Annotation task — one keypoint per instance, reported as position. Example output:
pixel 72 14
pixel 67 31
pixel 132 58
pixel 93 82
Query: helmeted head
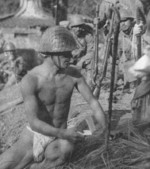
pixel 58 41
pixel 77 24
pixel 9 50
pixel 126 14
pixel 76 20
pixel 127 20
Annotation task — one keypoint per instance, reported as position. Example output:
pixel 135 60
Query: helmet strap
pixel 55 63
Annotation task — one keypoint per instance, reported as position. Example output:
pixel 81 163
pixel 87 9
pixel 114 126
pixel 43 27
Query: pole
pixel 114 57
pixel 95 64
pixel 56 12
pixel 107 52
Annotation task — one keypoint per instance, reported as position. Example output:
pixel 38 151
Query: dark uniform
pixel 17 63
pixel 126 51
pixel 141 100
pixel 83 34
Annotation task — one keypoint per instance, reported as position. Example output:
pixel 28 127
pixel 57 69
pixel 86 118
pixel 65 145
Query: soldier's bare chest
pixel 56 90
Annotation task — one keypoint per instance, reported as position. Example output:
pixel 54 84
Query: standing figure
pixel 84 54
pixel 140 102
pixel 9 63
pixel 126 55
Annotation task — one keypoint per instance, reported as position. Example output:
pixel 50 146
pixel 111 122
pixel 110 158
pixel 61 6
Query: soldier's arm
pixel 98 112
pixel 32 109
pixel 81 51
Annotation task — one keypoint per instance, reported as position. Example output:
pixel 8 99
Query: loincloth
pixel 40 142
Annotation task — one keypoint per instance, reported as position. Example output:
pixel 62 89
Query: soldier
pixel 140 102
pixel 47 91
pixel 143 27
pixel 125 36
pixel 77 29
pixel 125 48
pixel 18 62
pixel 13 64
pixel 83 34
pixel 7 65
pixel 9 55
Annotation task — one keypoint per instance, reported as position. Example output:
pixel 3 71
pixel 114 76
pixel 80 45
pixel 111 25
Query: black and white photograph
pixel 74 84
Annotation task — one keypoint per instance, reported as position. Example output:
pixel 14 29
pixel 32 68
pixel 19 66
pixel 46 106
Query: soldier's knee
pixel 66 148
pixel 52 151
pixel 59 149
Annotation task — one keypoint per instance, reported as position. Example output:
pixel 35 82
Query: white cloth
pixel 142 64
pixel 40 142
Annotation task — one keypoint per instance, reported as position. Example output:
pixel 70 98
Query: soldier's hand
pixel 73 136
pixel 96 21
pixel 138 29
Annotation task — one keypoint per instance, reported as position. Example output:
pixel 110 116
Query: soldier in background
pixel 125 36
pixel 143 27
pixel 141 102
pixel 83 34
pixel 126 55
pixel 15 66
pixel 78 32
pixel 7 65
pixel 8 56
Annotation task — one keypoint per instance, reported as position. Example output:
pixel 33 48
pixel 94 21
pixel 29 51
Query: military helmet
pixel 64 23
pixel 76 20
pixel 125 14
pixel 9 47
pixel 57 39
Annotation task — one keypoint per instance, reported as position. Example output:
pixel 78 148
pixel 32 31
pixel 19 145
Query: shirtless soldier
pixel 47 91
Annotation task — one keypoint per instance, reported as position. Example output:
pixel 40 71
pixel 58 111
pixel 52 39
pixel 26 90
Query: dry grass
pixel 130 151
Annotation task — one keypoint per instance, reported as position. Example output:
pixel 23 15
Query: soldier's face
pixel 125 26
pixel 78 30
pixel 63 59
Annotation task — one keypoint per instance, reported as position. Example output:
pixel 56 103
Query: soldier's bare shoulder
pixel 31 78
